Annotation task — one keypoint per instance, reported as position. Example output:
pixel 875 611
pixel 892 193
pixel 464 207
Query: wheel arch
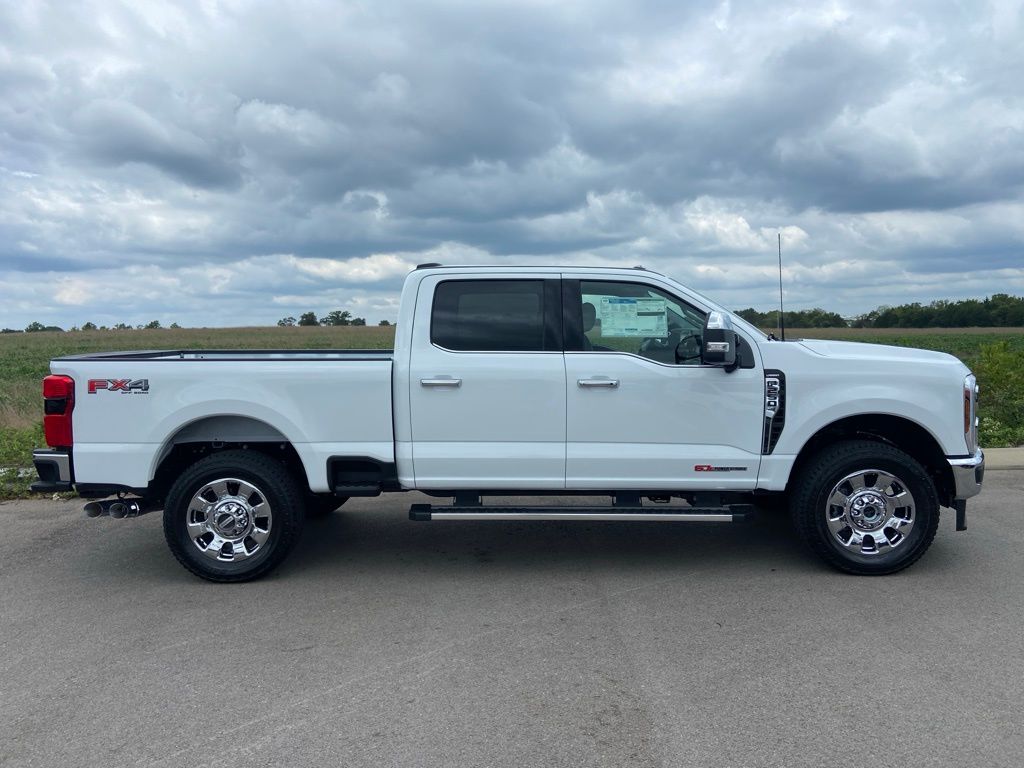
pixel 898 431
pixel 210 434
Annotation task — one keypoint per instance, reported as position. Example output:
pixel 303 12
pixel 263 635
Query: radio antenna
pixel 782 320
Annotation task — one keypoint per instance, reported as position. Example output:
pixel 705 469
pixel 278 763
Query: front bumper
pixel 54 469
pixel 968 475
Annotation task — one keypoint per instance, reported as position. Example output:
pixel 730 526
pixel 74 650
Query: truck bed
pixel 131 408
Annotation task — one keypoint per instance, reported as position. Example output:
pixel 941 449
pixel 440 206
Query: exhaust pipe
pixel 116 508
pixel 127 508
pixel 96 508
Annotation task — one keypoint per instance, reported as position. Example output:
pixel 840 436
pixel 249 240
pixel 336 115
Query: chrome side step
pixel 731 514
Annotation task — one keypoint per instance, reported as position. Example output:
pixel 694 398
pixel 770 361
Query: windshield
pixel 736 319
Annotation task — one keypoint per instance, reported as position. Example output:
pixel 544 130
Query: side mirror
pixel 719 342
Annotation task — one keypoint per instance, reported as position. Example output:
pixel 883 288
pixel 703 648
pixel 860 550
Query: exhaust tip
pixel 117 508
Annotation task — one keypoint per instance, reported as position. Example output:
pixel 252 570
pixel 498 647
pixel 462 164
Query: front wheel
pixel 233 516
pixel 865 507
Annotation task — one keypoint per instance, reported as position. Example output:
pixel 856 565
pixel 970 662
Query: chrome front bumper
pixel 968 475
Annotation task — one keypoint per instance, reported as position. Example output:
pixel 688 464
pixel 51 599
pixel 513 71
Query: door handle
pixel 441 382
pixel 606 383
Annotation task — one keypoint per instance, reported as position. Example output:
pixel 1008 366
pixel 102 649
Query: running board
pixel 732 514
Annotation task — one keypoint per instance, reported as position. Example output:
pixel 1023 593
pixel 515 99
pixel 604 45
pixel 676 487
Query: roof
pixel 534 267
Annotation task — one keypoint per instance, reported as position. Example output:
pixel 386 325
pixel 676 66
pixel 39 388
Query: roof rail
pixel 435 264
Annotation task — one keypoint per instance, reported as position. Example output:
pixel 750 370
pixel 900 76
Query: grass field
pixel 965 343
pixel 995 354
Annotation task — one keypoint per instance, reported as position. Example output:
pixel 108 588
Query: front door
pixel 487 383
pixel 642 412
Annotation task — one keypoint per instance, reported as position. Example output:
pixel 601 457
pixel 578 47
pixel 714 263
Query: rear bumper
pixel 54 469
pixel 968 474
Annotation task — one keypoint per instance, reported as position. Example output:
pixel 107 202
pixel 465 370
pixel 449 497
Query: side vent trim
pixel 774 409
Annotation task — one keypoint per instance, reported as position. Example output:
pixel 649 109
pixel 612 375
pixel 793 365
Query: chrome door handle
pixel 607 383
pixel 441 382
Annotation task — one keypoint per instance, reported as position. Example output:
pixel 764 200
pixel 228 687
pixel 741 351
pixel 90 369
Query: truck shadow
pixel 376 537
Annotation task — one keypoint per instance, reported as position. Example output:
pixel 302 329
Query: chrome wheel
pixel 870 512
pixel 229 519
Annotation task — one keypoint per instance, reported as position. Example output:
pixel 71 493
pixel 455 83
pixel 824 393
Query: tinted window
pixel 489 315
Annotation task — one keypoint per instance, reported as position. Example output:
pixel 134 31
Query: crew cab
pixel 605 382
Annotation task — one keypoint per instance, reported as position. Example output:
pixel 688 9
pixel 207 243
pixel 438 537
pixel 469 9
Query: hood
pixel 855 350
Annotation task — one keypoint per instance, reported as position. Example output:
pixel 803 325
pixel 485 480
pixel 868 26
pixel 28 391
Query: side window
pixel 489 315
pixel 641 320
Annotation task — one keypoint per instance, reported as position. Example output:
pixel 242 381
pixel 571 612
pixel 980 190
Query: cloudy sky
pixel 230 163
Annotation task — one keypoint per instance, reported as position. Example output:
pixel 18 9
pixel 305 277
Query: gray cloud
pixel 224 150
pixel 118 132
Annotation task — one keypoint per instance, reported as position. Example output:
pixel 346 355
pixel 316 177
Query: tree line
pixel 335 318
pixel 804 318
pixel 999 311
pixel 37 327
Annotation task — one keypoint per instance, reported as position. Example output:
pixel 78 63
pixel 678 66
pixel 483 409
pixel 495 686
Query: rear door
pixel 487 383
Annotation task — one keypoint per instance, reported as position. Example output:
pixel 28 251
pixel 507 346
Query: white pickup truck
pixel 617 383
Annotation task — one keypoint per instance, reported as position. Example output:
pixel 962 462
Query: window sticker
pixel 633 317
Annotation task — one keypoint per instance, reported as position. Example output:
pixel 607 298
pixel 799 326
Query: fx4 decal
pixel 709 468
pixel 124 386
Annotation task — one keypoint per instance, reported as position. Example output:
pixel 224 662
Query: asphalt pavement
pixel 385 642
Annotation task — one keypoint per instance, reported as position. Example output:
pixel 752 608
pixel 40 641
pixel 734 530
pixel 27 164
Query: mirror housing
pixel 719 342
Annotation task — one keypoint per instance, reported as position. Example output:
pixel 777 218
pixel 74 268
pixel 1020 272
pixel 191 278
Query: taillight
pixel 58 403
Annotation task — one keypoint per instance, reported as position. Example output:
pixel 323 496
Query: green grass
pixel 16 446
pixel 965 343
pixel 995 354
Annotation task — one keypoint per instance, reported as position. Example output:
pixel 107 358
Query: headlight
pixel 971 412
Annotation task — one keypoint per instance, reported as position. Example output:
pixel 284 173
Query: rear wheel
pixel 233 516
pixel 865 507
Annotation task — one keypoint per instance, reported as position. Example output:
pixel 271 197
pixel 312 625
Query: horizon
pixel 139 326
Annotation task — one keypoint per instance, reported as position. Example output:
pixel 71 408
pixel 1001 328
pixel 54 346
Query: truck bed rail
pixel 236 355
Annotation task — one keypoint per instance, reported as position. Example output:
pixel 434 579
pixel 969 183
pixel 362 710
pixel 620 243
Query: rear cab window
pixel 497 315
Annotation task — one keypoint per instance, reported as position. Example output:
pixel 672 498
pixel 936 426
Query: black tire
pixel 810 509
pixel 320 506
pixel 271 480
